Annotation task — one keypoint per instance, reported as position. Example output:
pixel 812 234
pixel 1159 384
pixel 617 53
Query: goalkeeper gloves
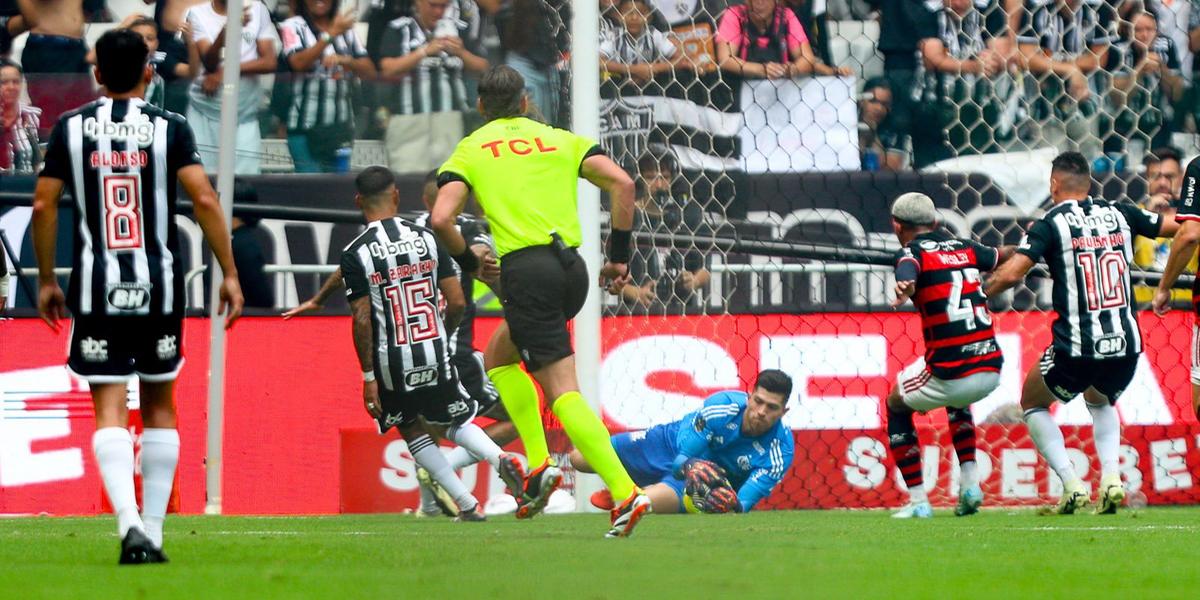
pixel 703 472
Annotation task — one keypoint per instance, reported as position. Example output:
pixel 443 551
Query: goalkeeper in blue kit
pixel 725 457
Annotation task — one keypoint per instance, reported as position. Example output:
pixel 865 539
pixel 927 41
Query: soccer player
pixel 962 360
pixel 393 273
pixel 467 361
pixel 1183 249
pixel 525 177
pixel 1088 246
pixel 121 157
pixel 740 432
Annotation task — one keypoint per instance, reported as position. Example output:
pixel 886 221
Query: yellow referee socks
pixel 591 438
pixel 520 399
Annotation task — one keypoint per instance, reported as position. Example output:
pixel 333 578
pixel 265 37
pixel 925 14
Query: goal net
pixel 764 237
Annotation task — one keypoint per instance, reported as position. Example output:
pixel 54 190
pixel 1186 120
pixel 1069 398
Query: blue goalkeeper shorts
pixel 649 456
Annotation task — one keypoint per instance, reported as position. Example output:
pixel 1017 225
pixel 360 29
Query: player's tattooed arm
pixel 330 286
pixel 360 313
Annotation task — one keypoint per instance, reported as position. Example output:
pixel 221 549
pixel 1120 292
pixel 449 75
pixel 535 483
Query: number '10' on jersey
pixel 398 265
pixel 955 322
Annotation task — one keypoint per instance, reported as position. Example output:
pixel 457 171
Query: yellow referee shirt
pixel 525 176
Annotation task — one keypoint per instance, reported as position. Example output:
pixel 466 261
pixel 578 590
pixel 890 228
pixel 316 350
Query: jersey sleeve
pixel 585 148
pixel 457 167
pixel 291 36
pixel 1037 241
pixel 183 150
pixel 354 277
pixel 768 474
pixel 700 427
pixel 1141 221
pixel 446 266
pixel 908 264
pixel 1189 205
pixel 475 232
pixel 58 159
pixel 986 257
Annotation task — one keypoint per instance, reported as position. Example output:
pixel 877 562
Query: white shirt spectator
pixel 1174 17
pixel 206 25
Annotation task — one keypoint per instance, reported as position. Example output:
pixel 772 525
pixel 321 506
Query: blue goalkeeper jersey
pixel 754 464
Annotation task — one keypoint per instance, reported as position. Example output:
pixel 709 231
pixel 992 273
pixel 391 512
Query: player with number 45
pixel 962 360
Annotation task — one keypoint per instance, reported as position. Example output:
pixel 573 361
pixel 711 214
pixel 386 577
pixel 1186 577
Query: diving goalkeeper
pixel 724 457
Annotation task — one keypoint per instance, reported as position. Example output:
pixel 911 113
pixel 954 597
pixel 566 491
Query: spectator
pixel 1063 44
pixel 964 83
pixel 18 123
pixel 879 141
pixel 1174 18
pixel 248 253
pixel 814 19
pixel 1146 85
pixel 12 24
pixel 426 57
pixel 325 56
pixel 668 14
pixel 258 44
pixel 162 64
pixel 632 50
pixel 179 63
pixel 664 279
pixel 902 23
pixel 1164 179
pixel 763 40
pixel 55 56
pixel 535 39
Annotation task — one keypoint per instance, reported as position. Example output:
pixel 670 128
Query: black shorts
pixel 542 288
pixel 1067 377
pixel 446 403
pixel 473 378
pixel 113 349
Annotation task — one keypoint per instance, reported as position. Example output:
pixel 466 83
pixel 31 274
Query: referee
pixel 524 174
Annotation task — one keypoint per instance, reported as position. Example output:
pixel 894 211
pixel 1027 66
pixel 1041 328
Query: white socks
pixel 968 474
pixel 1050 443
pixel 113 448
pixel 917 494
pixel 1107 431
pixel 427 454
pixel 472 437
pixel 461 458
pixel 160 455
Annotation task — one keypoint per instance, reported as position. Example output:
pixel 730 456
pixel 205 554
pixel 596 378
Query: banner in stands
pixel 286 448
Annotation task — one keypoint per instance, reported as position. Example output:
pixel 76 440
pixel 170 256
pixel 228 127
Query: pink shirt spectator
pixel 735 24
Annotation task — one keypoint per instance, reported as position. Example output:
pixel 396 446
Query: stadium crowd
pixel 1112 79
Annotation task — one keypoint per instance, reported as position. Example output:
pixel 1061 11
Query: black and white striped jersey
pixel 474 231
pixel 322 96
pixel 1088 247
pixel 398 265
pixel 120 159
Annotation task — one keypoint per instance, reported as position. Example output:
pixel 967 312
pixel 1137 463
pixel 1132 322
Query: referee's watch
pixel 325 37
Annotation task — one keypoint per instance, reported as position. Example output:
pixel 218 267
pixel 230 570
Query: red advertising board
pixel 293 388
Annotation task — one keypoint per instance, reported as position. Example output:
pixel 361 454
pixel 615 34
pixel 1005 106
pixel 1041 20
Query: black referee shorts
pixel 542 289
pixel 1067 377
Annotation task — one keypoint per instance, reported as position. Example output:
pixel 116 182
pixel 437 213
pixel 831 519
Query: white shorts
pixel 923 392
pixel 1195 355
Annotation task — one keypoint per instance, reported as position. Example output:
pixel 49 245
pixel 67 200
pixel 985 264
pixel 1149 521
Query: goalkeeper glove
pixel 722 500
pixel 703 472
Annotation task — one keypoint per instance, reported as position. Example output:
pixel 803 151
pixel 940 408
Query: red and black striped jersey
pixel 956 324
pixel 1189 210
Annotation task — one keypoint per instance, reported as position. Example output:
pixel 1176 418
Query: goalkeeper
pixel 724 457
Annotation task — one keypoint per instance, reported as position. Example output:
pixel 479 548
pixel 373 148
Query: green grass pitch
pixel 815 554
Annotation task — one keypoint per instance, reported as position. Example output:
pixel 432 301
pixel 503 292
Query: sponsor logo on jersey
pixel 758 447
pixel 980 348
pixel 129 296
pixel 1110 344
pixel 743 462
pixel 137 128
pixel 381 250
pixel 93 350
pixel 699 424
pixel 420 377
pixel 637 436
pixel 391 419
pixel 1102 221
pixel 167 347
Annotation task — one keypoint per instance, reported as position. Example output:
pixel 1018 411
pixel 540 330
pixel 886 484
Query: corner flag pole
pixel 231 61
pixel 585 121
